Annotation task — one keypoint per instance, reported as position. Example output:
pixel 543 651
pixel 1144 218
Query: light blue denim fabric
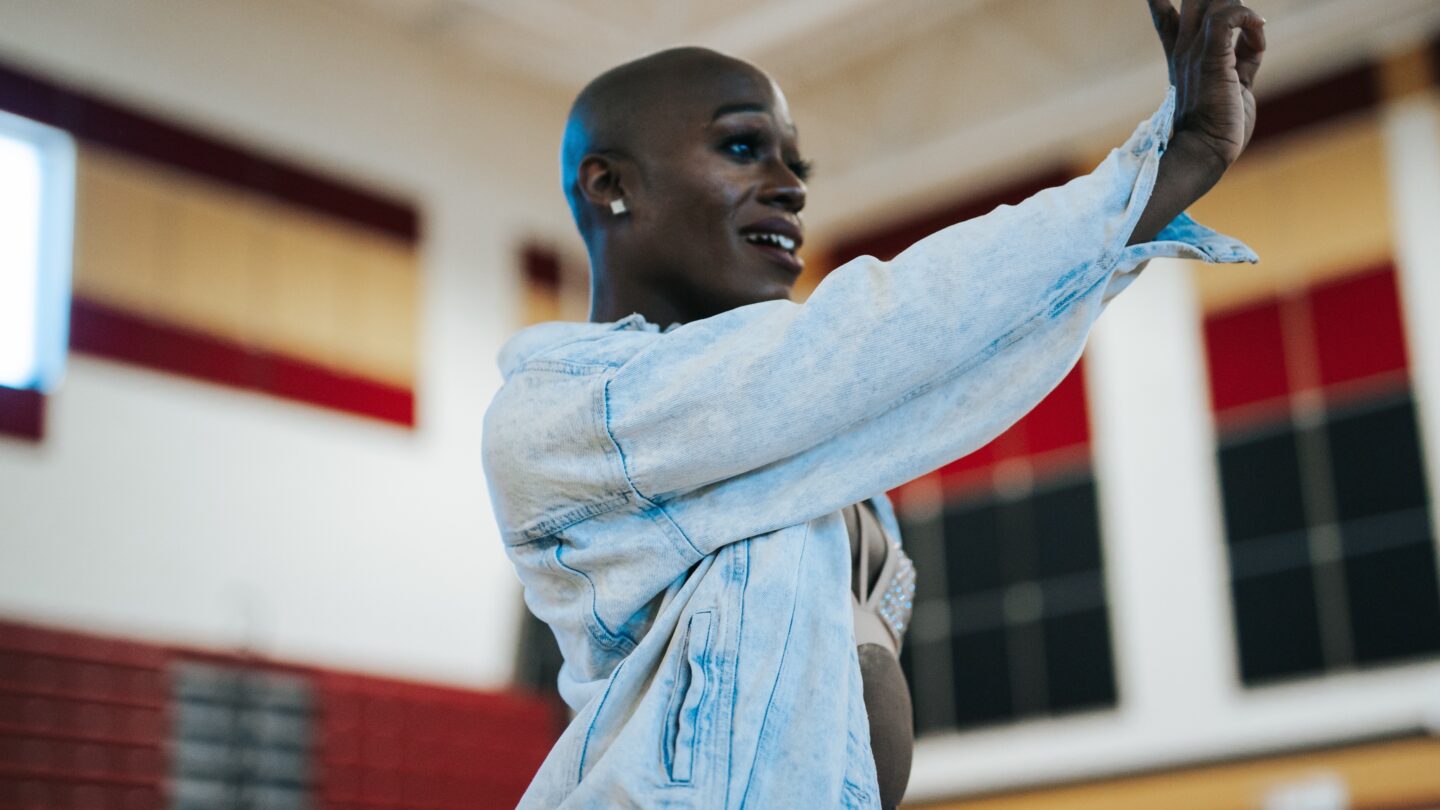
pixel 671 498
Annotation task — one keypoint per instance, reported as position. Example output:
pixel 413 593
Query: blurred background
pixel 257 258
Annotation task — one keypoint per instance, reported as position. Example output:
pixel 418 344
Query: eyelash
pixel 801 168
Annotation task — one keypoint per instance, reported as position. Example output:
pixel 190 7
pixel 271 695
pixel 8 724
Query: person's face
pixel 717 215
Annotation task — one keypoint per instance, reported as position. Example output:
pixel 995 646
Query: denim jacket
pixel 671 498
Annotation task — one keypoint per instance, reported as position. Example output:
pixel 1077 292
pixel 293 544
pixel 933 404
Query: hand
pixel 1213 72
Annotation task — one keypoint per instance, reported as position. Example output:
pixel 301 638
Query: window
pixel 37 170
pixel 1332 561
pixel 1011 618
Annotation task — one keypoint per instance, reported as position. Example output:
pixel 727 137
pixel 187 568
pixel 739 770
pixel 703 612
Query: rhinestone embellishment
pixel 898 601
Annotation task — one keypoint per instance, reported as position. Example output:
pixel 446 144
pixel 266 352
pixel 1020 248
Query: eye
pixel 802 169
pixel 744 147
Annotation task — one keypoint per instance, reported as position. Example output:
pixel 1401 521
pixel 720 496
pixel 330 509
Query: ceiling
pixel 905 99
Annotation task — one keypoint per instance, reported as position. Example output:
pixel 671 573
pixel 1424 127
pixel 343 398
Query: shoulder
pixel 544 447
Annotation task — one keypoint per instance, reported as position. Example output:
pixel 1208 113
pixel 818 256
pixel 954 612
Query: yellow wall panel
pixel 1313 206
pixel 193 253
pixel 298 287
pixel 377 310
pixel 211 262
pixel 121 222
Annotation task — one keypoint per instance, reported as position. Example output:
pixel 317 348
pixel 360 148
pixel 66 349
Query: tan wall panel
pixel 299 281
pixel 377 308
pixel 211 262
pixel 193 253
pixel 1402 774
pixel 120 239
pixel 1313 206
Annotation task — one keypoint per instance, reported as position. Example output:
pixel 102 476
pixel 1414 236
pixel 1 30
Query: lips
pixel 778 238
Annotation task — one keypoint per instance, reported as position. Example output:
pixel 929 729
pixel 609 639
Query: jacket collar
pixel 532 340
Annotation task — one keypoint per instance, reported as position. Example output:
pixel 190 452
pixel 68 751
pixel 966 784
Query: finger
pixel 1167 23
pixel 1220 24
pixel 1192 14
pixel 1250 49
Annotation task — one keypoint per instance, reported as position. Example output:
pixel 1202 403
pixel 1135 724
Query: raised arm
pixel 1213 72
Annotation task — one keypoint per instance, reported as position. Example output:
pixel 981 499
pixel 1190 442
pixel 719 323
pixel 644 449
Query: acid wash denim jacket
pixel 671 498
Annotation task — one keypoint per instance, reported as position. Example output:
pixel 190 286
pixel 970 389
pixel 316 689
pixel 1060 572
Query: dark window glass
pixel 1394 607
pixel 932 658
pixel 1024 590
pixel 982 679
pixel 1067 533
pixel 1277 625
pixel 1017 544
pixel 1077 661
pixel 973 549
pixel 1375 458
pixel 925 543
pixel 1260 479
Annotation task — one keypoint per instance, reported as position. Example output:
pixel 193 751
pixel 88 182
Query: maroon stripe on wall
pixel 104 331
pixel 22 413
pixel 1338 94
pixel 154 139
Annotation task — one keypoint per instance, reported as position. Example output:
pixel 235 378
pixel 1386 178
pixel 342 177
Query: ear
pixel 599 180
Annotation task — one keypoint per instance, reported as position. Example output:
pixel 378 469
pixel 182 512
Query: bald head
pixel 629 110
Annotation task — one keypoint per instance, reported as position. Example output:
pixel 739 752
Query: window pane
pixel 1017 540
pixel 1394 607
pixel 1067 532
pixel 1077 661
pixel 1260 479
pixel 1279 632
pixel 973 549
pixel 927 669
pixel 1376 461
pixel 982 678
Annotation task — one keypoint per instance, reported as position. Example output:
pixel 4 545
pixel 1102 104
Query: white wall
pixel 164 508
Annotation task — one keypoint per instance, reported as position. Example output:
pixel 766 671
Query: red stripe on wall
pixel 152 138
pixel 1333 96
pixel 22 413
pixel 104 331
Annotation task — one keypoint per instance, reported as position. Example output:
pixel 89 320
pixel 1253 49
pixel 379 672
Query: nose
pixel 783 188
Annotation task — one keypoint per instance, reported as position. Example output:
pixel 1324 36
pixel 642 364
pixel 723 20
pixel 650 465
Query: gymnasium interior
pixel 257 258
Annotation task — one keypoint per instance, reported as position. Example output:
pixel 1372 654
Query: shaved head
pixel 618 112
pixel 684 175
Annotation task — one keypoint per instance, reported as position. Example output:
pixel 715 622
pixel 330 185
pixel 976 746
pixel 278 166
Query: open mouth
pixel 778 247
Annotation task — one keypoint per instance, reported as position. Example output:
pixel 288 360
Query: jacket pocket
pixel 684 712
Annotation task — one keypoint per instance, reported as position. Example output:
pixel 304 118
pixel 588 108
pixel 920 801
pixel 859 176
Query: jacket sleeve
pixel 778 412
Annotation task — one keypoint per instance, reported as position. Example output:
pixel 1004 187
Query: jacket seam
pixel 590 730
pixel 603 635
pixel 549 526
pixel 625 467
pixel 779 676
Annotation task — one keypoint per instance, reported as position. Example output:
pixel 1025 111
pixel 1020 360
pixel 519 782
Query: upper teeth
pixel 782 242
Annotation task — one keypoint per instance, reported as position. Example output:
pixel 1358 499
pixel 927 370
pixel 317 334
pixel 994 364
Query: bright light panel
pixel 37 214
pixel 20 202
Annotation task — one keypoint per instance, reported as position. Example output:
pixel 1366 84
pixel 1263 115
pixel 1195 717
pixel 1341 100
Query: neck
pixel 611 300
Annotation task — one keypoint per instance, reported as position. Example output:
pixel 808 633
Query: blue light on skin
pixel 37 178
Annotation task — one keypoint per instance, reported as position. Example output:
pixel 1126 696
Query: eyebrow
pixel 732 109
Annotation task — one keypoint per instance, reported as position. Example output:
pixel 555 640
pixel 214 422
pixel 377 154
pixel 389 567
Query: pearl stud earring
pixel 617 207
